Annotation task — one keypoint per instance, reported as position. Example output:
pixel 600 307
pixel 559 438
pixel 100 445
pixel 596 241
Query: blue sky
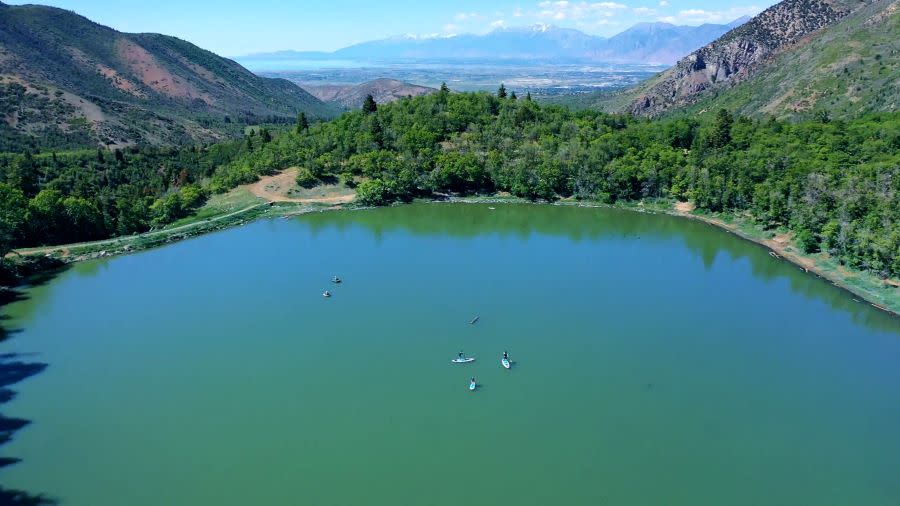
pixel 234 28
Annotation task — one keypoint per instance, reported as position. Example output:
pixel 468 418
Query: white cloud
pixel 699 16
pixel 580 12
pixel 592 16
pixel 465 16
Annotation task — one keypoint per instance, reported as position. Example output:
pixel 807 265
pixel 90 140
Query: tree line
pixel 835 184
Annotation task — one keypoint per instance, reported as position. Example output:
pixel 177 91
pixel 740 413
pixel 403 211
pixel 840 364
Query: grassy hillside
pixel 850 69
pixel 66 81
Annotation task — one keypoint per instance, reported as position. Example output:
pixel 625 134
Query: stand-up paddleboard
pixel 472 386
pixel 465 360
pixel 505 362
pixel 474 320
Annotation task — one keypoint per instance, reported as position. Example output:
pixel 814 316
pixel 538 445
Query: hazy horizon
pixel 239 29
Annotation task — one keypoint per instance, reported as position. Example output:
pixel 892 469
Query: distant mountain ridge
pixel 65 80
pixel 352 96
pixel 661 43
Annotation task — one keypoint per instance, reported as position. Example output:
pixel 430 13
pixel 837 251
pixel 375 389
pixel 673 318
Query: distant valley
pixel 538 79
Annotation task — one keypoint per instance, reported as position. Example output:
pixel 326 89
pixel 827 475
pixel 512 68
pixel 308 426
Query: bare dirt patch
pixel 154 75
pixel 119 81
pixel 685 207
pixel 283 187
pixel 90 110
pixel 782 239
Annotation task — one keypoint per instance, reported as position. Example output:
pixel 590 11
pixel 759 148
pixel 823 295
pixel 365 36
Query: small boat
pixel 472 385
pixel 474 320
pixel 326 294
pixel 461 358
pixel 336 280
pixel 505 362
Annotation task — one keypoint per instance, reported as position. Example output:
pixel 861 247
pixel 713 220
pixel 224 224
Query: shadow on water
pixel 15 368
pixel 579 224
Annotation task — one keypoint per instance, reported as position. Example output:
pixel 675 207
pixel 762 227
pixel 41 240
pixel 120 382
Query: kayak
pixel 505 362
pixel 463 360
pixel 472 386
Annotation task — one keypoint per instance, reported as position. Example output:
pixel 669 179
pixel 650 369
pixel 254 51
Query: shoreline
pixel 785 251
pixel 780 247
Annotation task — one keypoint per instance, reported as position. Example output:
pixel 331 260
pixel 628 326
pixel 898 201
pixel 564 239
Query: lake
pixel 657 361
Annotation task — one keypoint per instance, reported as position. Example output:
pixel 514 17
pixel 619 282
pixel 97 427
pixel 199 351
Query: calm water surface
pixel 658 361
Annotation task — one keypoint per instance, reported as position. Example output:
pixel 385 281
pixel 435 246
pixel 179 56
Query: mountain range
pixel 67 81
pixel 660 43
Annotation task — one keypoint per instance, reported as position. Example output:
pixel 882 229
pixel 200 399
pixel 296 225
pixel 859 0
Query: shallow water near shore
pixel 657 360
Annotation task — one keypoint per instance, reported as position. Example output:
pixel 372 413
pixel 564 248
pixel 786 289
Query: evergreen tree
pixel 501 92
pixel 100 158
pixel 528 96
pixel 302 123
pixel 721 135
pixel 369 106
pixel 513 96
pixel 444 88
pixel 265 135
pixel 377 132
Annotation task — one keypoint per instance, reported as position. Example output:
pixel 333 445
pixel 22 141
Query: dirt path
pixel 275 189
pixel 112 242
pixel 269 188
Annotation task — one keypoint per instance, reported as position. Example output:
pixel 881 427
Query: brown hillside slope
pixel 65 81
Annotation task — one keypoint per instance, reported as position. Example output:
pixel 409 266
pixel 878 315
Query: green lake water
pixel 657 361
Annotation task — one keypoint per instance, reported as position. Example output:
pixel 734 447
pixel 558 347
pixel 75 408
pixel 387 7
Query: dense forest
pixel 836 184
pixel 57 198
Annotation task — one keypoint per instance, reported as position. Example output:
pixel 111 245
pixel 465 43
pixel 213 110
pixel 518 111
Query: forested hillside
pixel 836 184
pixel 56 198
pixel 66 82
